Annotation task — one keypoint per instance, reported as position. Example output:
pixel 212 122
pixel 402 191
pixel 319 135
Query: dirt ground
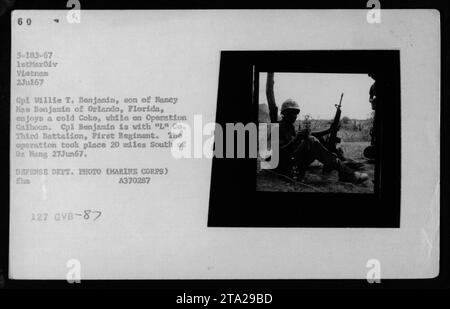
pixel 316 181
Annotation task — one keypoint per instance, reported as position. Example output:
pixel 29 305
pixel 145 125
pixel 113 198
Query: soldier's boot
pixel 346 174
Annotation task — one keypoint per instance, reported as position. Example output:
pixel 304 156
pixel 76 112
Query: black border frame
pixel 440 282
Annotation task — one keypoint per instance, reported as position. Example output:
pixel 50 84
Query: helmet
pixel 289 104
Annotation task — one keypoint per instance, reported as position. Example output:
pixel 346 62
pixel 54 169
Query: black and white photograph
pixel 323 147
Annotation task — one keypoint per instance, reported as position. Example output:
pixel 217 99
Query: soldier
pixel 373 99
pixel 302 148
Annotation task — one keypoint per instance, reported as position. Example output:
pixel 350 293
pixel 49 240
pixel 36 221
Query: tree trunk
pixel 273 109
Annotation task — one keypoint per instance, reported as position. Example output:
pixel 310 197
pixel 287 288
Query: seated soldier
pixel 302 148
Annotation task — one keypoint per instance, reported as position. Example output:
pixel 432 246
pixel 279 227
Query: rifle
pixel 332 139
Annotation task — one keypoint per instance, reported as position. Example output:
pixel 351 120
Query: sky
pixel 317 93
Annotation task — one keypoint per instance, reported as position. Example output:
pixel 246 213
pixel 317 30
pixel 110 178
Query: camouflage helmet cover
pixel 289 104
